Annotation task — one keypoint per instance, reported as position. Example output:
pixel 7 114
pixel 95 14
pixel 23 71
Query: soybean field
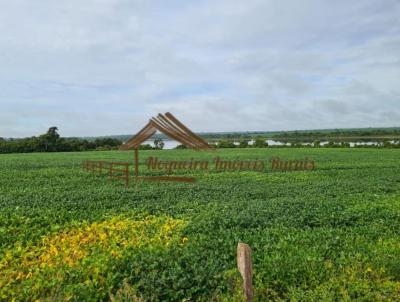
pixel 328 234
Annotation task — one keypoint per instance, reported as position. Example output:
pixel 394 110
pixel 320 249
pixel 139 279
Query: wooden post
pixel 110 172
pixel 136 163
pixel 127 175
pixel 100 167
pixel 245 268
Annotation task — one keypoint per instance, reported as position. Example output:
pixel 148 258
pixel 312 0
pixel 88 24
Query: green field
pixel 330 234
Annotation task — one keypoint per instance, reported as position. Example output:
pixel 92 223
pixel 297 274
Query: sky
pixel 104 67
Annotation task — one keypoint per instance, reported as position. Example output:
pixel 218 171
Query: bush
pixel 181 146
pixel 225 144
pixel 244 144
pixel 260 143
pixel 145 147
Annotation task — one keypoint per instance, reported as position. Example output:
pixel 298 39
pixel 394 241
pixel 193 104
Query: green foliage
pixel 158 144
pixel 52 142
pixel 260 143
pixel 225 144
pixel 352 134
pixel 145 147
pixel 181 146
pixel 331 234
pixel 126 293
pixel 50 139
pixel 243 144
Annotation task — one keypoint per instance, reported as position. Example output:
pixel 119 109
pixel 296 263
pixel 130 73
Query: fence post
pixel 127 175
pixel 136 163
pixel 245 268
pixel 100 167
pixel 110 172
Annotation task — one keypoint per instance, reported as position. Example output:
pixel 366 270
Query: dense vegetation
pixel 261 143
pixel 53 142
pixel 368 133
pixel 330 234
pixel 351 134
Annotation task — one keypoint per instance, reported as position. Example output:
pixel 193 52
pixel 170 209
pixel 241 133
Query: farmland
pixel 324 235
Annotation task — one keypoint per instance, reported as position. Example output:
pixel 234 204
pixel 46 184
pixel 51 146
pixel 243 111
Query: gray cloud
pixel 105 66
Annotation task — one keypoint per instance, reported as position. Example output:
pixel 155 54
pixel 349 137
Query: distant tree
pixel 52 135
pixel 243 143
pixel 181 146
pixel 104 148
pixel 387 144
pixel 52 142
pixel 331 144
pixel 158 143
pixel 260 143
pixel 145 147
pixel 49 139
pixel 108 142
pixel 225 144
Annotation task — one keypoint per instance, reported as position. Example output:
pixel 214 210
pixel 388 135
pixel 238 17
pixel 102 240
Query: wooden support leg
pixel 127 175
pixel 110 172
pixel 136 163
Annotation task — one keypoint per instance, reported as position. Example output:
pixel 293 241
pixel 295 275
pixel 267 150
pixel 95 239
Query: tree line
pixel 339 135
pixel 261 143
pixel 51 141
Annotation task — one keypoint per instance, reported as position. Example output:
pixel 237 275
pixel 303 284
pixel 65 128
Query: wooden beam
pixel 136 162
pixel 168 178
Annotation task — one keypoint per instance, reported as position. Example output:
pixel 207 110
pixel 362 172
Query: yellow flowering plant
pixel 81 256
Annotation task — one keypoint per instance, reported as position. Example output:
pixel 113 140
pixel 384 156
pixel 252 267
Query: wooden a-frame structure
pixel 173 128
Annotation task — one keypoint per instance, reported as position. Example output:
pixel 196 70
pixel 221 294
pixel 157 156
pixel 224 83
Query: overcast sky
pixel 99 67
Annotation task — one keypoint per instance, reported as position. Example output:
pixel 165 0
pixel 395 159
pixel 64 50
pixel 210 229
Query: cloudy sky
pixel 99 67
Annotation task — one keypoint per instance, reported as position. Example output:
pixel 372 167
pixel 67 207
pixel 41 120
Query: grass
pixel 324 235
